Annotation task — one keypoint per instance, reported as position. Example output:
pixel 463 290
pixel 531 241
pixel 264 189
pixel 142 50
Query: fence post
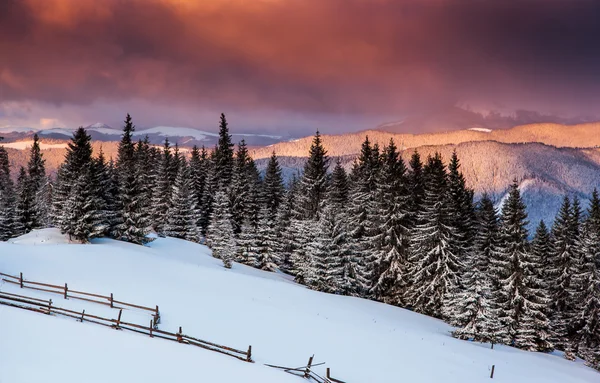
pixel 82 314
pixel 111 300
pixel 179 337
pixel 156 316
pixel 119 319
pixel 492 374
pixel 328 374
pixel 307 372
pixel 21 280
pixel 66 289
pixel 249 358
pixel 151 336
pixel 49 306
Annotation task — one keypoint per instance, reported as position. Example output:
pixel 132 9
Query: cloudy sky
pixel 292 65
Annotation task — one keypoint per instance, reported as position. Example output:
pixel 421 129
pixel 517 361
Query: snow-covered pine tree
pixel 588 302
pixel 38 187
pixel 146 173
pixel 83 214
pixel 461 207
pixel 339 189
pixel 161 199
pixel 210 188
pixel 132 223
pixel 220 234
pixel 434 267
pixel 25 203
pixel 273 190
pixel 312 190
pixel 198 173
pixel 475 309
pixel 284 232
pixel 223 156
pixel 521 299
pixel 330 250
pixel 416 186
pixel 363 218
pixel 391 258
pixel 106 190
pixel 266 241
pixel 8 199
pixel 181 216
pixel 240 193
pixel 565 263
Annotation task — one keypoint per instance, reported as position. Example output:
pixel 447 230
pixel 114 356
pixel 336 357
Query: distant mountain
pixel 186 137
pixel 545 173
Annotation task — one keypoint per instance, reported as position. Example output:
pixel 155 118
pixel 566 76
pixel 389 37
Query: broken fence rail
pixel 47 307
pixel 70 293
pixel 307 373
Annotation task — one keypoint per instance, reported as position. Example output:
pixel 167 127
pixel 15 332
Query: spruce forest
pixel 410 235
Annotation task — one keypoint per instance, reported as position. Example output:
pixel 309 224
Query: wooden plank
pixel 132 305
pixel 215 345
pixel 10 276
pixel 61 288
pixel 23 296
pixel 89 294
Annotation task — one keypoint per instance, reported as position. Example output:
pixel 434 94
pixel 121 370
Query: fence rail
pixel 47 307
pixel 69 293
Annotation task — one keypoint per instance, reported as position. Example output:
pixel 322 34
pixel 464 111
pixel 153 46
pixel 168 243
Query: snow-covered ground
pixel 360 340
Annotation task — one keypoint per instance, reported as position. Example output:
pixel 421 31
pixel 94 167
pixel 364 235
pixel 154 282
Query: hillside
pixel 360 340
pixel 572 136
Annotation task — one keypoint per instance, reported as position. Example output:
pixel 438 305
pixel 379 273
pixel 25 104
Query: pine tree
pixel 198 173
pixel 391 256
pixel 475 309
pixel 565 265
pixel 224 155
pixel 521 300
pixel 434 266
pixel 220 231
pixel 181 222
pixel 37 187
pixel 416 185
pixel 210 188
pixel 266 241
pixel 312 190
pixel 8 199
pixel 588 302
pixel 286 240
pixel 339 189
pixel 241 189
pixel 106 191
pixel 273 190
pixel 132 223
pixel 331 251
pixel 161 201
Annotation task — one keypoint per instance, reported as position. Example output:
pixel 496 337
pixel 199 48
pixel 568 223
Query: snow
pixel 22 145
pixel 483 130
pixel 12 129
pixel 360 340
pixel 523 186
pixel 173 131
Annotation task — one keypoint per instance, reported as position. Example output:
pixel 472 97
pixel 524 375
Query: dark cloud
pixel 361 57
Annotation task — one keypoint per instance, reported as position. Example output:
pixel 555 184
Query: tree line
pixel 410 235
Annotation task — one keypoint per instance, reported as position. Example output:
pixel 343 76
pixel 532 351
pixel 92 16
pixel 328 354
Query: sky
pixel 292 66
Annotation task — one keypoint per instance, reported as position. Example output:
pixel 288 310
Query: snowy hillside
pixel 360 340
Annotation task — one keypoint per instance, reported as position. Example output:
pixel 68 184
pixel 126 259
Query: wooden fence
pixel 81 295
pixel 306 372
pixel 47 307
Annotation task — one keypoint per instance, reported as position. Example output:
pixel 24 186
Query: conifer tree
pixel 312 190
pixel 132 225
pixel 588 300
pixel 266 241
pixel 220 231
pixel 161 201
pixel 565 265
pixel 25 209
pixel 521 300
pixel 273 190
pixel 391 257
pixel 37 187
pixel 223 159
pixel 286 241
pixel 339 189
pixel 416 185
pixel 8 199
pixel 198 173
pixel 475 310
pixel 210 188
pixel 181 222
pixel 434 265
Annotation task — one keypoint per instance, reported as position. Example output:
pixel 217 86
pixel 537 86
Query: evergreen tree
pixel 565 265
pixel 220 231
pixel 521 300
pixel 273 190
pixel 224 155
pixel 588 302
pixel 266 241
pixel 37 187
pixel 434 266
pixel 339 189
pixel 286 241
pixel 198 174
pixel 132 225
pixel 416 185
pixel 25 210
pixel 391 257
pixel 312 190
pixel 475 309
pixel 181 222
pixel 8 200
pixel 330 251
pixel 210 188
pixel 161 201
pixel 242 189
